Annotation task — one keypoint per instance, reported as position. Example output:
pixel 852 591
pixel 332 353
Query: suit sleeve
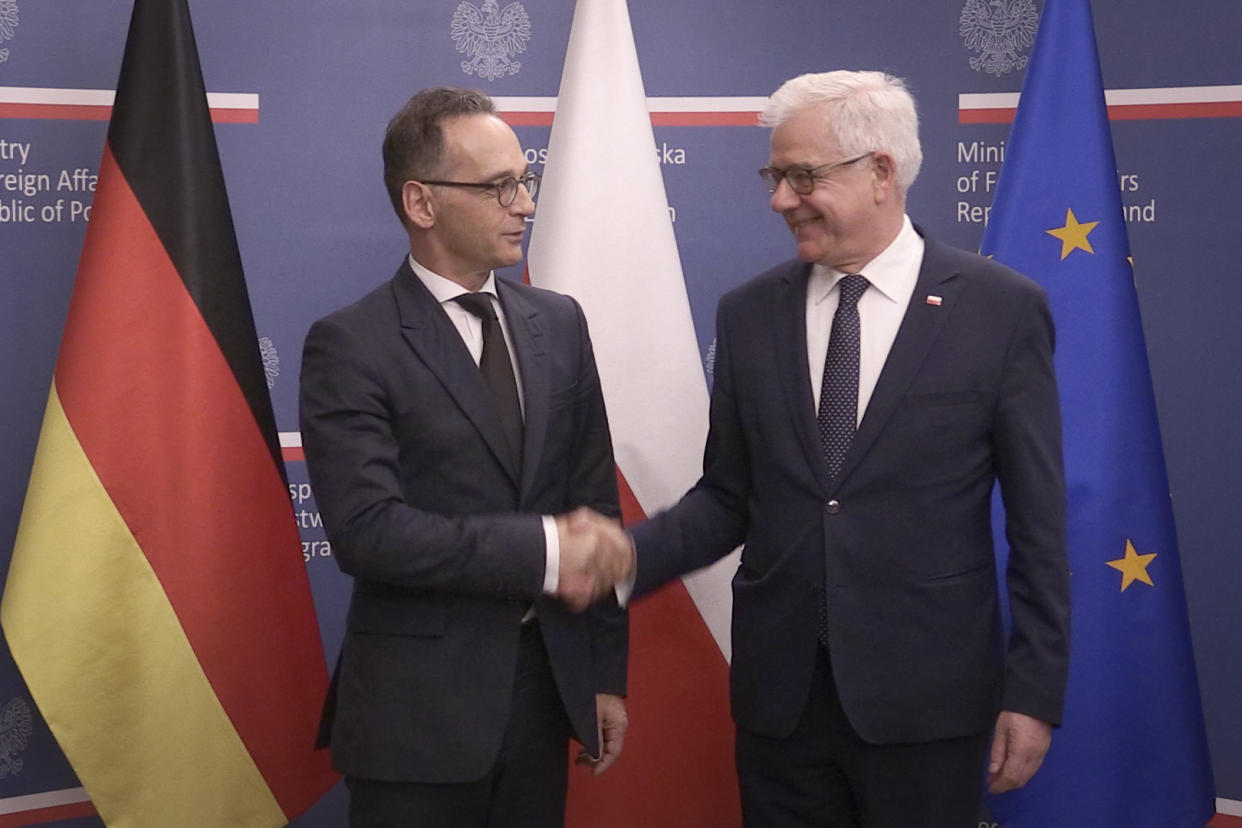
pixel 710 521
pixel 354 465
pixel 1032 481
pixel 593 483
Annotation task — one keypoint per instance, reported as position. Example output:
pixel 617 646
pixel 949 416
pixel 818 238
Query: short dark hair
pixel 414 140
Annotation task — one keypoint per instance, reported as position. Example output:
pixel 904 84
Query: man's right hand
pixel 596 553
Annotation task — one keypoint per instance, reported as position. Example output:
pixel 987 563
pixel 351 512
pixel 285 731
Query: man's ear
pixel 884 175
pixel 417 205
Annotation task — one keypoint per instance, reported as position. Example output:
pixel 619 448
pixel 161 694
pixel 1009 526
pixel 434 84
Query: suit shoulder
pixel 538 296
pixel 765 284
pixel 986 272
pixel 558 309
pixel 363 311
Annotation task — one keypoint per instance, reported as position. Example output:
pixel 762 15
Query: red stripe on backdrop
pixel 59 112
pixel 705 119
pixel 42 816
pixel 1120 112
pixel 1139 112
pixel 152 401
pixel 235 116
pixel 526 118
pixel 86 112
pixel 1003 115
pixel 657 118
pixel 679 696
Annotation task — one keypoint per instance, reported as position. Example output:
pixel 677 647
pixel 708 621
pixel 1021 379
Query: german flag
pixel 157 603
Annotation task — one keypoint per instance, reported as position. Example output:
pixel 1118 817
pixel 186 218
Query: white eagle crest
pixel 15 728
pixel 998 29
pixel 490 36
pixel 8 24
pixel 271 361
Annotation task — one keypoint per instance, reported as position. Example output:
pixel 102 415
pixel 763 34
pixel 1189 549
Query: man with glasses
pixel 451 420
pixel 866 397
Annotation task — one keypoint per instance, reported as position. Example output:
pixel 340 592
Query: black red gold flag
pixel 157 603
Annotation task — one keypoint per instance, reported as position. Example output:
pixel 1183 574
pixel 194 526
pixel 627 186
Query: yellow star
pixel 1073 235
pixel 1133 567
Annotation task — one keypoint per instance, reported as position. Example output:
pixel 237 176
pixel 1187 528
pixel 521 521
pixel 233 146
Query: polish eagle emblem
pixel 998 30
pixel 15 728
pixel 490 36
pixel 271 361
pixel 8 24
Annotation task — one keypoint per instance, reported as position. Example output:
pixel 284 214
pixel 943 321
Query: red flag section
pixel 677 767
pixel 157 603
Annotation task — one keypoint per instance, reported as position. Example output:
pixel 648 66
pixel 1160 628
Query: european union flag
pixel 1132 750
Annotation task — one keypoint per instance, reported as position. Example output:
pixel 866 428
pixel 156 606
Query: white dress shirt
pixel 470 327
pixel 892 275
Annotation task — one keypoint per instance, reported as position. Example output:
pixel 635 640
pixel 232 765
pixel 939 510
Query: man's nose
pixel 523 204
pixel 783 197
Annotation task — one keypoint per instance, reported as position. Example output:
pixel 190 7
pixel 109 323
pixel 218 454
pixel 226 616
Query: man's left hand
pixel 1018 748
pixel 612 721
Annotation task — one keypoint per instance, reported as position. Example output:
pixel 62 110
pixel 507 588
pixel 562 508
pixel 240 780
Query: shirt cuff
pixel 552 556
pixel 625 588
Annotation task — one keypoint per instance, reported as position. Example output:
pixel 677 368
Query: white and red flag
pixel 604 235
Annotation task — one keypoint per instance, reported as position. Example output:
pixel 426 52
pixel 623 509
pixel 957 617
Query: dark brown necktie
pixel 497 369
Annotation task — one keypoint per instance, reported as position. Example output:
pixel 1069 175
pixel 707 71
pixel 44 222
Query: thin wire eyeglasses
pixel 505 188
pixel 802 179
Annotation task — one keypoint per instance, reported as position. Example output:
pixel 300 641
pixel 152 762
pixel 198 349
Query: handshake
pixel 596 554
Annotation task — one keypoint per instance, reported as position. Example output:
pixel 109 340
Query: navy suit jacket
pixel 442 534
pixel 901 541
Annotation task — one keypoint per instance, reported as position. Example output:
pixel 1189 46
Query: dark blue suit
pixel 902 540
pixel 442 534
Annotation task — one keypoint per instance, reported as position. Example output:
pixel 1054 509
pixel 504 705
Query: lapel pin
pixel 934 300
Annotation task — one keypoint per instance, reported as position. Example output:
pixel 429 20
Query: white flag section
pixel 603 234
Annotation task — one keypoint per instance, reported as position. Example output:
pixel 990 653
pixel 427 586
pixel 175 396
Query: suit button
pixel 832 507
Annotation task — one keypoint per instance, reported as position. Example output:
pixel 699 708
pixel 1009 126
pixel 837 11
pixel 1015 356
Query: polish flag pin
pixel 934 300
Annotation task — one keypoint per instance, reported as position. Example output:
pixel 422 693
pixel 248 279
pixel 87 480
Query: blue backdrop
pixel 316 230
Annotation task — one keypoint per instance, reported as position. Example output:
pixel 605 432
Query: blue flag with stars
pixel 1132 750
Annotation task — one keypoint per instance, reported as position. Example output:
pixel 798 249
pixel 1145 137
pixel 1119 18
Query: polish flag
pixel 603 235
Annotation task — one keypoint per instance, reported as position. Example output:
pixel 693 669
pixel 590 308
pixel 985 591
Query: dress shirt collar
pixel 892 273
pixel 446 290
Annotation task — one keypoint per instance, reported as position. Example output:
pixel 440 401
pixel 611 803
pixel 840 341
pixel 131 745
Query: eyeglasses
pixel 802 179
pixel 505 188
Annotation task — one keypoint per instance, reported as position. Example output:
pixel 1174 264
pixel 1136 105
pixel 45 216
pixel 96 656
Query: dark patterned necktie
pixel 838 394
pixel 497 369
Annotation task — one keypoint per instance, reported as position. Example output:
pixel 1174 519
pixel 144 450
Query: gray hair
pixel 868 111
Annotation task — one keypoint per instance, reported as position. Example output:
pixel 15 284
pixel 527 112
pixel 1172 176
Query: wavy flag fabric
pixel 1132 749
pixel 603 235
pixel 157 604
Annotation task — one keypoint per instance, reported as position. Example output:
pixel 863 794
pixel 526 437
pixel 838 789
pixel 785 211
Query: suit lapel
pixel 527 332
pixel 428 330
pixel 918 331
pixel 789 329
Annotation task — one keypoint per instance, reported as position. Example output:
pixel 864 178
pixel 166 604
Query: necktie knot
pixel 479 304
pixel 852 287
